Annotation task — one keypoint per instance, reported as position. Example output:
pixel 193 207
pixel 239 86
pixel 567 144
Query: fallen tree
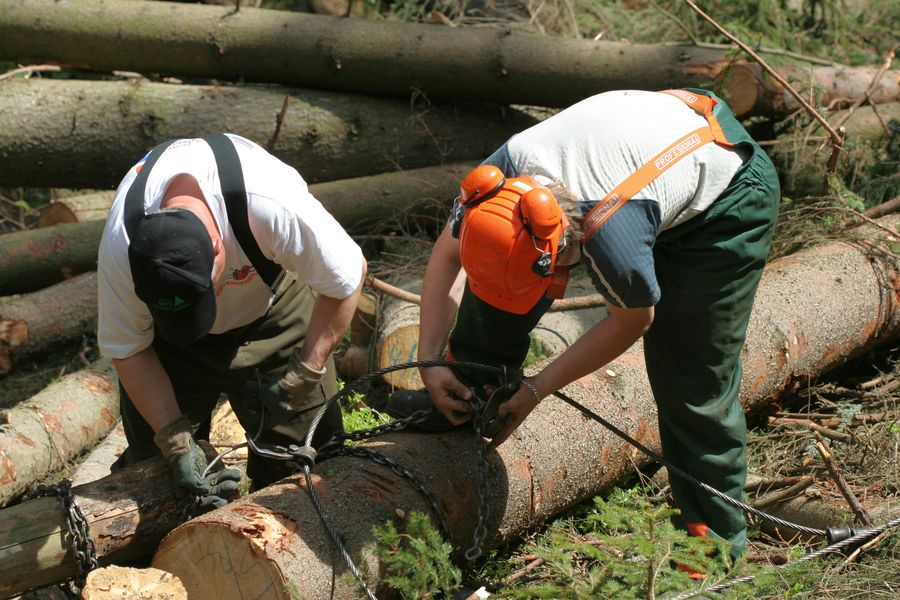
pixel 751 91
pixel 76 209
pixel 42 434
pixel 556 458
pixel 87 134
pixel 46 320
pixel 493 64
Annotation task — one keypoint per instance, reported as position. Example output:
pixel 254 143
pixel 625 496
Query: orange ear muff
pixel 479 185
pixel 541 214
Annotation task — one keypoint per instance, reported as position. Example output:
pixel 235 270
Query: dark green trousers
pixel 708 270
pixel 222 363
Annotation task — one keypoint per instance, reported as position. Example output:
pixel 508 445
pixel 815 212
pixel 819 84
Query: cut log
pixel 814 311
pixel 42 434
pixel 118 583
pixel 34 259
pixel 87 134
pixel 127 512
pixel 398 337
pixel 46 320
pixel 493 64
pixel 751 91
pixel 76 209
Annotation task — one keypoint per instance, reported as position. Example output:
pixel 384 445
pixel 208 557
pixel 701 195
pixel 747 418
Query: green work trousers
pixel 223 363
pixel 708 271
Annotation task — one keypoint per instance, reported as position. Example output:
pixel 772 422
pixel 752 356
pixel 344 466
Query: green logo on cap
pixel 172 305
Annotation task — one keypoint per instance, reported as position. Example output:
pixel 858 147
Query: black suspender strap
pixel 232 179
pixel 133 210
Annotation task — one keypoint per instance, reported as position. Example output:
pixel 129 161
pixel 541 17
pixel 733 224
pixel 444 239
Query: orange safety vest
pixel 657 165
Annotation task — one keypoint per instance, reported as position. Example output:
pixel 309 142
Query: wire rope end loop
pixel 303 455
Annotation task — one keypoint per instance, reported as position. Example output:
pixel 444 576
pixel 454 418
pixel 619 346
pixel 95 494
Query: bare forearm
pixel 149 387
pixel 442 289
pixel 329 320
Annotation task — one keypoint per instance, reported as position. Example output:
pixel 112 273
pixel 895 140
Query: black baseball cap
pixel 171 257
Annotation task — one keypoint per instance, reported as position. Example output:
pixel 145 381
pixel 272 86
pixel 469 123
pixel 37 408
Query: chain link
pixel 481 483
pixel 81 545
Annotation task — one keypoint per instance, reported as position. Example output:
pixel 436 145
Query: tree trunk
pixel 34 259
pixel 42 434
pixel 751 91
pixel 46 320
pixel 98 464
pixel 128 513
pixel 493 64
pixel 361 204
pixel 76 209
pixel 556 459
pixel 89 133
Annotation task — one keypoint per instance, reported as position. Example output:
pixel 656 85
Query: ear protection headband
pixel 538 209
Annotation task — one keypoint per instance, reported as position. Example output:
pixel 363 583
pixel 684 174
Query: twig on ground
pixel 785 494
pixel 29 70
pixel 886 64
pixel 279 119
pixel 861 514
pixel 523 571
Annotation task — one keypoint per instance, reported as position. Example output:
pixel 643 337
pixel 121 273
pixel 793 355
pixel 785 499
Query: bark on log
pixel 76 209
pixel 751 91
pixel 87 134
pixel 128 513
pixel 37 323
pixel 43 433
pixel 98 463
pixel 34 259
pixel 31 260
pixel 492 64
pixel 360 204
pixel 814 311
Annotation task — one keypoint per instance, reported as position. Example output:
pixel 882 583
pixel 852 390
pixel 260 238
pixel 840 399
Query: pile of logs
pixel 383 120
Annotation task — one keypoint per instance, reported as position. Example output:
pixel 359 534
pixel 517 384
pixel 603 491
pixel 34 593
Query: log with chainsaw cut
pixel 491 64
pixel 814 311
pixel 87 134
pixel 751 91
pixel 76 209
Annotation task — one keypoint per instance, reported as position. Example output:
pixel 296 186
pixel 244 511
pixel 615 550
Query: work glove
pixel 176 442
pixel 283 398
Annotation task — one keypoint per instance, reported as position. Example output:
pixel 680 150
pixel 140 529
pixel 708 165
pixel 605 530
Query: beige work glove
pixel 300 381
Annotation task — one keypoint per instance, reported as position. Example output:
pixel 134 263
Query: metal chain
pixel 481 482
pixel 82 546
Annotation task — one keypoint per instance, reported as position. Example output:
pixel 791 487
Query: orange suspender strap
pixel 657 165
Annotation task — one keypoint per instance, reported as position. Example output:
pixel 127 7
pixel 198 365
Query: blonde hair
pixel 568 202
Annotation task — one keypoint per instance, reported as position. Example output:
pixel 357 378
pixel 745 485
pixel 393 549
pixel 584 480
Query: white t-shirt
pixel 597 143
pixel 291 227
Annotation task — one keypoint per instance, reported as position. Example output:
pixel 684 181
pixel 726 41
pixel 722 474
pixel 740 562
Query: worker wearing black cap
pixel 217 268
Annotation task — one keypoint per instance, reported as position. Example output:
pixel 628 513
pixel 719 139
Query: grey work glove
pixel 283 398
pixel 176 442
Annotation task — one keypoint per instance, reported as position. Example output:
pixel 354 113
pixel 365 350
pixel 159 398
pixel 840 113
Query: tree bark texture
pixel 814 311
pixel 43 433
pixel 87 134
pixel 43 321
pixel 752 91
pixel 128 512
pixel 493 64
pixel 34 259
